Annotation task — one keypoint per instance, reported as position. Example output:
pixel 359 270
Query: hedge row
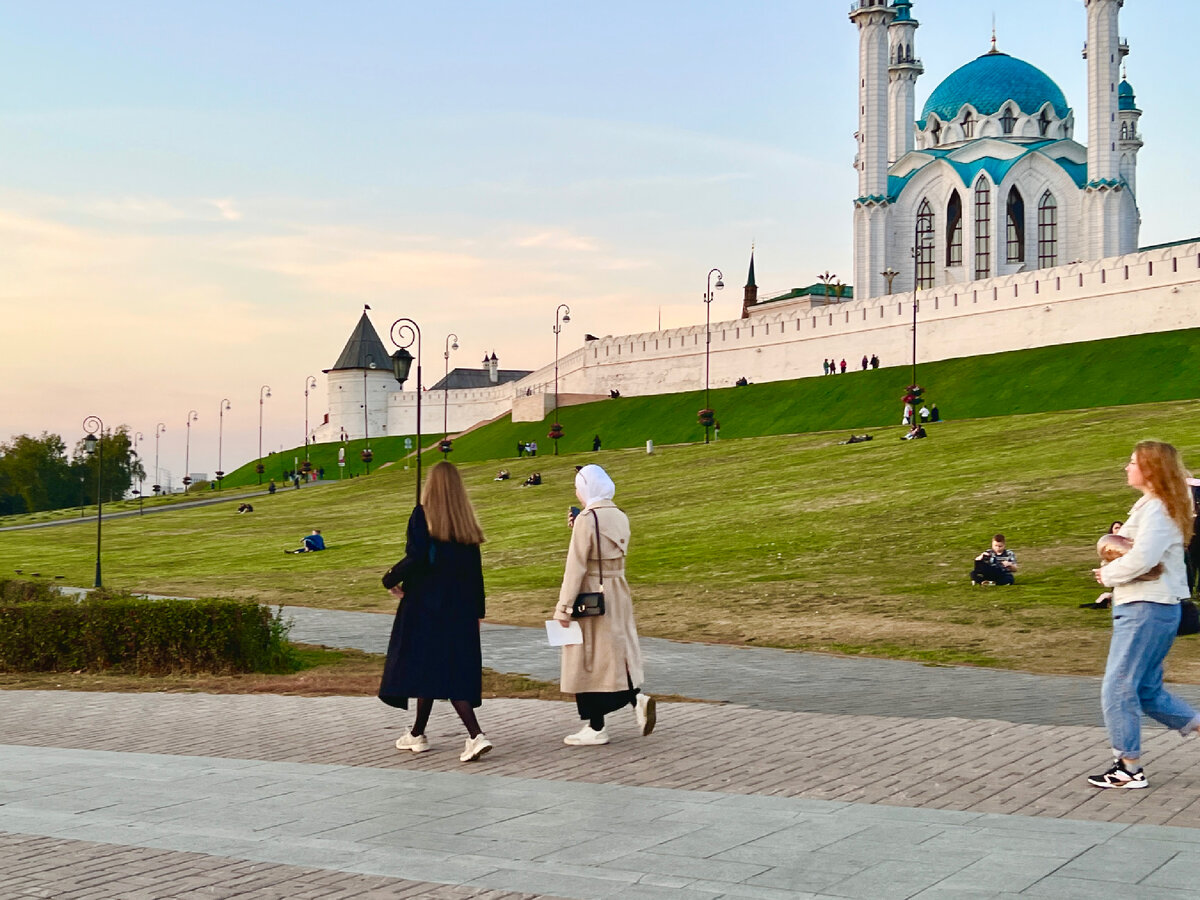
pixel 147 637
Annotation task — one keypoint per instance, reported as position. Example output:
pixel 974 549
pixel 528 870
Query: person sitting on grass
pixel 533 480
pixel 312 543
pixel 502 475
pixel 245 508
pixel 857 439
pixel 996 565
pixel 917 431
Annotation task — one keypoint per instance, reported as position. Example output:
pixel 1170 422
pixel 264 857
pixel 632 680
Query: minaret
pixel 1129 140
pixel 750 297
pixel 1102 200
pixel 873 17
pixel 903 69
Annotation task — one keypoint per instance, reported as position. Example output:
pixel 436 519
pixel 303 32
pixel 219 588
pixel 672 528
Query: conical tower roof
pixel 363 349
pixel 750 276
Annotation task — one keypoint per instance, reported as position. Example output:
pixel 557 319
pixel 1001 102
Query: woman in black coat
pixel 434 649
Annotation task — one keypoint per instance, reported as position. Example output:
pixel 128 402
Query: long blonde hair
pixel 448 509
pixel 1162 468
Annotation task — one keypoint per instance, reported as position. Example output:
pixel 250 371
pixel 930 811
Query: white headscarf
pixel 593 485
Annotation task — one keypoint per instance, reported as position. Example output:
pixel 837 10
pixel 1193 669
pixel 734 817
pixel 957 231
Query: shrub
pixel 13 591
pixel 110 630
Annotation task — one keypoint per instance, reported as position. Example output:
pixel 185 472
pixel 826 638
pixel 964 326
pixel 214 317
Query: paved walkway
pixel 179 796
pixel 775 679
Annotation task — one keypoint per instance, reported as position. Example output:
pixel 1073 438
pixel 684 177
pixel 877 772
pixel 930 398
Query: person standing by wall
pixel 1145 613
pixel 434 650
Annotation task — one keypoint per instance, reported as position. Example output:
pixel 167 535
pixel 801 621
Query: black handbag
pixel 591 603
pixel 1189 618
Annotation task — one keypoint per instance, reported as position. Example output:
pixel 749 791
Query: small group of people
pixel 916 432
pixel 833 367
pixel 924 415
pixel 434 651
pixel 524 447
pixel 244 508
pixel 830 367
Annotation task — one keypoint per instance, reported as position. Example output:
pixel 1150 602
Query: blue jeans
pixel 1133 677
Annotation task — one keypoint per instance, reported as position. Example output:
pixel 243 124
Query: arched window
pixel 1016 227
pixel 936 131
pixel 1044 122
pixel 954 230
pixel 1008 120
pixel 968 125
pixel 983 228
pixel 1124 131
pixel 1047 231
pixel 923 248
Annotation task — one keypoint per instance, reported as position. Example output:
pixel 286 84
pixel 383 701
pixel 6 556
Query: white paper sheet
pixel 560 637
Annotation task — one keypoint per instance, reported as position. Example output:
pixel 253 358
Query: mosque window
pixel 1016 227
pixel 968 126
pixel 1124 131
pixel 1044 122
pixel 954 237
pixel 936 131
pixel 923 252
pixel 1047 231
pixel 1008 120
pixel 983 229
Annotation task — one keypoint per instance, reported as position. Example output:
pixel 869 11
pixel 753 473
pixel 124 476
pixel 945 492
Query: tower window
pixel 983 229
pixel 1016 227
pixel 936 131
pixel 954 228
pixel 1047 231
pixel 1008 120
pixel 1044 122
pixel 923 248
pixel 968 126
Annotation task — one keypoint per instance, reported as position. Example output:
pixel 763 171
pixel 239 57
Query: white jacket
pixel 1156 538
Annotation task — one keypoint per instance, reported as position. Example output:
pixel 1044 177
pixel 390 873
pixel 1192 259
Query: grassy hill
pixel 1135 369
pixel 792 541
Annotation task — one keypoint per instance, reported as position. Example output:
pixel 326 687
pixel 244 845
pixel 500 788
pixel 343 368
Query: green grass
pixel 789 541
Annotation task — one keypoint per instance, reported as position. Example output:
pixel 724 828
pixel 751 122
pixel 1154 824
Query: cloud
pixel 226 209
pixel 558 240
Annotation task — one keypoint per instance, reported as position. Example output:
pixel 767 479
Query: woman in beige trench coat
pixel 605 671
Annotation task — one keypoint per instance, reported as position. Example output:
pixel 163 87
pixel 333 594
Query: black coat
pixel 434 650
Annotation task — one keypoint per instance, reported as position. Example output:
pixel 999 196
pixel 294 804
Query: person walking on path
pixel 596 444
pixel 604 672
pixel 825 367
pixel 434 650
pixel 1145 613
pixel 843 366
pixel 865 363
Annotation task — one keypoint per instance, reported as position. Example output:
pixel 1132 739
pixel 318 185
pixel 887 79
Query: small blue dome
pixel 990 81
pixel 1125 96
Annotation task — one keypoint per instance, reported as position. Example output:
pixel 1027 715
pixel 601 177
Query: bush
pixel 110 630
pixel 13 591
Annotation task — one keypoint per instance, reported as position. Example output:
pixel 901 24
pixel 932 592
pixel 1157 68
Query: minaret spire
pixel 750 297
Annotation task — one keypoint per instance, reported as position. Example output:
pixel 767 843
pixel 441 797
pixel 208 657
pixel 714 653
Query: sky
pixel 196 200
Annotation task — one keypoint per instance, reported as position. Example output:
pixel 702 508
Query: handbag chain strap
pixel 599 560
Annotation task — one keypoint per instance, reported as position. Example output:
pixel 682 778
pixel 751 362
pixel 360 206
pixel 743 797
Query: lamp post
pixel 451 344
pixel 158 429
pixel 890 274
pixel 826 279
pixel 192 416
pixel 94 444
pixel 403 332
pixel 555 428
pixel 138 436
pixel 311 380
pixel 263 393
pixel 367 455
pixel 707 415
pixel 221 438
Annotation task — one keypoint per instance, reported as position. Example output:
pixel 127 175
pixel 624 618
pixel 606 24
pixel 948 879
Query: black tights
pixel 463 707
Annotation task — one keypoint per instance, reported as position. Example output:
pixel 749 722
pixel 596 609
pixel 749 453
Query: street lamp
pixel 93 444
pixel 158 429
pixel 221 438
pixel 826 279
pixel 263 393
pixel 403 332
pixel 706 415
pixel 192 416
pixel 555 428
pixel 367 455
pixel 138 436
pixel 890 274
pixel 311 380
pixel 452 337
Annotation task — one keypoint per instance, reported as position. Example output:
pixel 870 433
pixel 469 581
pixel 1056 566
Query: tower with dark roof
pixel 359 384
pixel 750 297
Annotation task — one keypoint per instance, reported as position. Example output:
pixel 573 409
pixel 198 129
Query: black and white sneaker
pixel 1120 777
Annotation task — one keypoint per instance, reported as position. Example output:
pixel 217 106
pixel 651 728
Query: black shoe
pixel 1120 777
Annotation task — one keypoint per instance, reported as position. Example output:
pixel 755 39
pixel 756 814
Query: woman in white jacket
pixel 1146 613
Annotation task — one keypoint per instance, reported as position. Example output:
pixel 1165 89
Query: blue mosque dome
pixel 1125 96
pixel 990 81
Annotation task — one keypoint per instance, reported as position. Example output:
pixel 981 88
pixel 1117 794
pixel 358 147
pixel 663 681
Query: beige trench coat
pixel 610 656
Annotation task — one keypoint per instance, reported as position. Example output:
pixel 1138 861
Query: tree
pixel 121 467
pixel 35 474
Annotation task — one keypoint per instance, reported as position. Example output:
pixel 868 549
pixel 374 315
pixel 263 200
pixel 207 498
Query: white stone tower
pixel 871 212
pixel 1129 140
pixel 1109 210
pixel 903 69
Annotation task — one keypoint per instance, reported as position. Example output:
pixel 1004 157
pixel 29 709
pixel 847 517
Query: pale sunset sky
pixel 197 199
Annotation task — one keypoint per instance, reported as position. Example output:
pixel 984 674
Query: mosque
pixel 983 223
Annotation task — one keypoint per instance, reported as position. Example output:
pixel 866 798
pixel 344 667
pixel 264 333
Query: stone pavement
pixel 774 679
pixel 193 795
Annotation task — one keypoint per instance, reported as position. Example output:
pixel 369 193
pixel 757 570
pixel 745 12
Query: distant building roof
pixel 364 350
pixel 819 294
pixel 463 379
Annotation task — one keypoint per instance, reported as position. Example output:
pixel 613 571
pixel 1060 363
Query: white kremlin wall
pixel 1151 291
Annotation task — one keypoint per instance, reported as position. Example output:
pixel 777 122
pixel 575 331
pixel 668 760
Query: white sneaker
pixel 646 713
pixel 585 736
pixel 475 748
pixel 417 743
